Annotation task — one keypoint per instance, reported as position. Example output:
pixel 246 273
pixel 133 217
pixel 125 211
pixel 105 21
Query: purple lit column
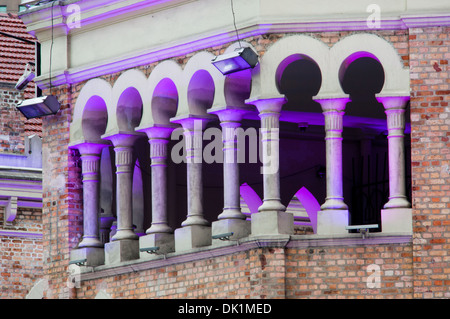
pixel 271 217
pixel 395 112
pixel 159 234
pixel 158 140
pixel 90 248
pixel 195 230
pixel 193 130
pixel 90 163
pixel 231 220
pixel 333 111
pixel 124 245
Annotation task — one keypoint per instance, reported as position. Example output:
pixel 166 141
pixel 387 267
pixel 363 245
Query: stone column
pixel 90 247
pixel 124 244
pixel 395 113
pixel 271 217
pixel 397 213
pixel 195 230
pixel 333 216
pixel 231 220
pixel 159 234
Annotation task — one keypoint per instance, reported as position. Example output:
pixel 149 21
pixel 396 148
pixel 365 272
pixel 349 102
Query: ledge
pixel 20 233
pixel 244 244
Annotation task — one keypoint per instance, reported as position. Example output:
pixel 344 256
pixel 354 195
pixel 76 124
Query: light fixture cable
pixel 234 23
pixel 51 49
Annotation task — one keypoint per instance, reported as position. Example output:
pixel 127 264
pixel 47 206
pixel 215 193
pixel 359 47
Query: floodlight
pixel 38 107
pixel 238 60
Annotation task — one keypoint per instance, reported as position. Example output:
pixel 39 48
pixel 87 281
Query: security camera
pixel 26 77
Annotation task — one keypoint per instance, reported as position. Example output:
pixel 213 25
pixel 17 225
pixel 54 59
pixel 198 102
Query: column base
pixel 239 227
pixel 334 204
pixel 332 222
pixel 193 236
pixel 398 220
pixel 165 242
pixel 272 223
pixel 121 250
pixel 94 256
pixel 397 203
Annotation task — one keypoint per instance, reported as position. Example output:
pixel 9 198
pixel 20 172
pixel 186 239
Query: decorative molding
pixel 124 158
pixel 395 119
pixel 19 233
pixel 11 210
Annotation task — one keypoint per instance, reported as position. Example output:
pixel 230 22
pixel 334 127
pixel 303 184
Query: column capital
pixel 393 102
pixel 87 147
pixel 193 122
pixel 333 104
pixel 229 113
pixel 123 139
pixel 159 131
pixel 268 105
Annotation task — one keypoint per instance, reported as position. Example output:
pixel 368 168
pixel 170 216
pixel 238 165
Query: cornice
pixel 100 13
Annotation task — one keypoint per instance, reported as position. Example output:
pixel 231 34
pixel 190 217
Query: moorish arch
pixel 352 47
pixel 173 96
pixel 163 87
pixel 95 91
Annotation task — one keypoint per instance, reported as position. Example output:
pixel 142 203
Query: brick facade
pixel 430 96
pixel 12 131
pixel 20 253
pixel 21 247
pixel 414 269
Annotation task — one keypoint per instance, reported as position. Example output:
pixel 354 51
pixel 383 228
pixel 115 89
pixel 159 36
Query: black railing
pixel 370 189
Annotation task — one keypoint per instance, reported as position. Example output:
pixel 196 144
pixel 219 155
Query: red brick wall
pixel 418 269
pixel 346 272
pixel 12 129
pixel 271 273
pixel 20 257
pixel 430 96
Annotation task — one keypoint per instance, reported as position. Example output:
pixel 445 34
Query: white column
pixel 124 244
pixel 195 230
pixel 231 220
pixel 396 217
pixel 333 111
pixel 395 112
pixel 333 216
pixel 90 247
pixel 271 217
pixel 159 234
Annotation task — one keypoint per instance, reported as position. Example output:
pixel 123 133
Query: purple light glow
pixel 352 58
pixel 310 204
pixel 251 198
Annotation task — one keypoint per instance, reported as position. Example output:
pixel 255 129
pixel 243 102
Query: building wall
pixel 430 96
pixel 342 271
pixel 12 132
pixel 318 271
pixel 21 253
pixel 21 249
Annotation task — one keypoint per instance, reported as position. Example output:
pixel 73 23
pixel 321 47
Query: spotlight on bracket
pixel 238 60
pixel 26 77
pixel 38 107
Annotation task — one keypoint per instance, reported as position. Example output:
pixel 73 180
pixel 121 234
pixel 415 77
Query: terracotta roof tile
pixel 14 55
